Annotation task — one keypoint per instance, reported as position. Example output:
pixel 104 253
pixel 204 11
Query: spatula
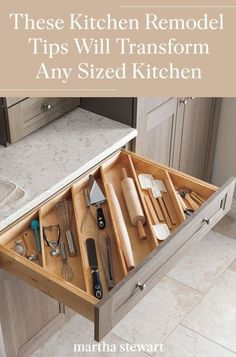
pixel 96 198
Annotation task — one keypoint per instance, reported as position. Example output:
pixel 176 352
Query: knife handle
pixel 97 285
pixel 100 218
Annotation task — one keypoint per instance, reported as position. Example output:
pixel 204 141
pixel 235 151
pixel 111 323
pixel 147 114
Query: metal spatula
pixel 96 198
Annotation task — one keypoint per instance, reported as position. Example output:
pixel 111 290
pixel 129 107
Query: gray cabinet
pixel 28 316
pixel 156 124
pixel 196 118
pixel 178 132
pixel 22 116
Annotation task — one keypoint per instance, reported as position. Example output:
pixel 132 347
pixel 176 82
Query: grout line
pixel 123 340
pixel 180 322
pixel 207 338
pixel 190 287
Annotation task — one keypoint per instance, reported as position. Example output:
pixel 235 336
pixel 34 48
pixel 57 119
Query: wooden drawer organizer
pixel 153 258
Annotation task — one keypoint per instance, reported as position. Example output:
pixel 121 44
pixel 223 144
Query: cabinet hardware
pixel 207 220
pixel 47 106
pixel 141 286
pixel 184 101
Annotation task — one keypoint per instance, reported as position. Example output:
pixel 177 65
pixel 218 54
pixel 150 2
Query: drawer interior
pixel 165 211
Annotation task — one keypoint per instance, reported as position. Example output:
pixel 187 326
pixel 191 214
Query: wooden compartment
pixel 152 258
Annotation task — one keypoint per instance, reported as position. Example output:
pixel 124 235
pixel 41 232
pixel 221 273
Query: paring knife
pixel 93 263
pixel 106 254
pixel 96 198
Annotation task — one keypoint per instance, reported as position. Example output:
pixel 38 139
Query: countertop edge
pixel 70 178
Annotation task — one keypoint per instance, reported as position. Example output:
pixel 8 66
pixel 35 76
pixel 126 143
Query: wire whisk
pixel 67 272
pixel 64 215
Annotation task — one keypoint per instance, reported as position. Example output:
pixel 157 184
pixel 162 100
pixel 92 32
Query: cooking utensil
pixel 67 272
pixel 64 214
pixel 93 263
pixel 169 207
pixel 159 200
pixel 151 209
pixel 133 204
pixel 88 212
pixel 54 244
pixel 35 227
pixel 96 198
pixel 106 254
pixel 121 227
pixel 20 247
pixel 197 197
pixel 156 206
pixel 185 193
pixel 187 211
pixel 161 230
pixel 30 248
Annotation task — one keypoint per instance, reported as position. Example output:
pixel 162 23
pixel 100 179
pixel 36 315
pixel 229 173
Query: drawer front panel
pixel 125 296
pixel 32 113
pixel 14 100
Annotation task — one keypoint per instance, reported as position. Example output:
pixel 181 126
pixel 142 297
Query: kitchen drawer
pixel 153 257
pixel 32 113
pixel 150 103
pixel 14 100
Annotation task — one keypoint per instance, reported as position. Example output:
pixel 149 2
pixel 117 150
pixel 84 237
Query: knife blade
pixel 93 263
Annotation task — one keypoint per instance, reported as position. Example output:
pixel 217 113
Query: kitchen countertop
pixel 50 158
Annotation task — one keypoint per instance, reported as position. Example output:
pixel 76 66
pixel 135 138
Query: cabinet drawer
pixel 32 113
pixel 153 257
pixel 14 100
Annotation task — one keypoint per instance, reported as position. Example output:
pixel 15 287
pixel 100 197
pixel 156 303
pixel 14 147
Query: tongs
pixel 106 254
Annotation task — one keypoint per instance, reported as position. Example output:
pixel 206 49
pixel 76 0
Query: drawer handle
pixel 207 220
pixel 47 106
pixel 184 101
pixel 141 286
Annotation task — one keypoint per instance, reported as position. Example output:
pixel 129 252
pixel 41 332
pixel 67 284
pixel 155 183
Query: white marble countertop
pixel 47 160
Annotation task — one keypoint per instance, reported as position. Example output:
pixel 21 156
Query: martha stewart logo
pixel 123 347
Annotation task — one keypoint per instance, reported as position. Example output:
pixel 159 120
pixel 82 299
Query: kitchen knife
pixel 96 198
pixel 93 263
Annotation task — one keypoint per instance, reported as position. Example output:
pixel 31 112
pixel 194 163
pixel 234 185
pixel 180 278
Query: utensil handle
pixel 70 243
pixel 100 218
pixel 37 240
pixel 97 285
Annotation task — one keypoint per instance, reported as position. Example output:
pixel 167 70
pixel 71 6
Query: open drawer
pixel 178 210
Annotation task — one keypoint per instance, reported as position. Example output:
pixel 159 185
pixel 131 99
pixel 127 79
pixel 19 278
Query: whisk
pixel 67 272
pixel 64 215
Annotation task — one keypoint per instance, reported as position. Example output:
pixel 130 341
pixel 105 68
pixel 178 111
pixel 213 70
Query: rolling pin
pixel 121 227
pixel 133 204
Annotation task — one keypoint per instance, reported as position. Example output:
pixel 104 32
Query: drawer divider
pixel 141 196
pixel 76 196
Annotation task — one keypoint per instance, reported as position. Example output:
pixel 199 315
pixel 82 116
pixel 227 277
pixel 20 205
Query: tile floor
pixel 192 311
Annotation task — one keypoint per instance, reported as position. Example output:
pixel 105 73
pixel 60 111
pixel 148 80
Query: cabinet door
pixel 28 316
pixel 197 121
pixel 156 129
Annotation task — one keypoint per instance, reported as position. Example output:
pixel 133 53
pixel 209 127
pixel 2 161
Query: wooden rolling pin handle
pixel 123 235
pixel 124 173
pixel 141 230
